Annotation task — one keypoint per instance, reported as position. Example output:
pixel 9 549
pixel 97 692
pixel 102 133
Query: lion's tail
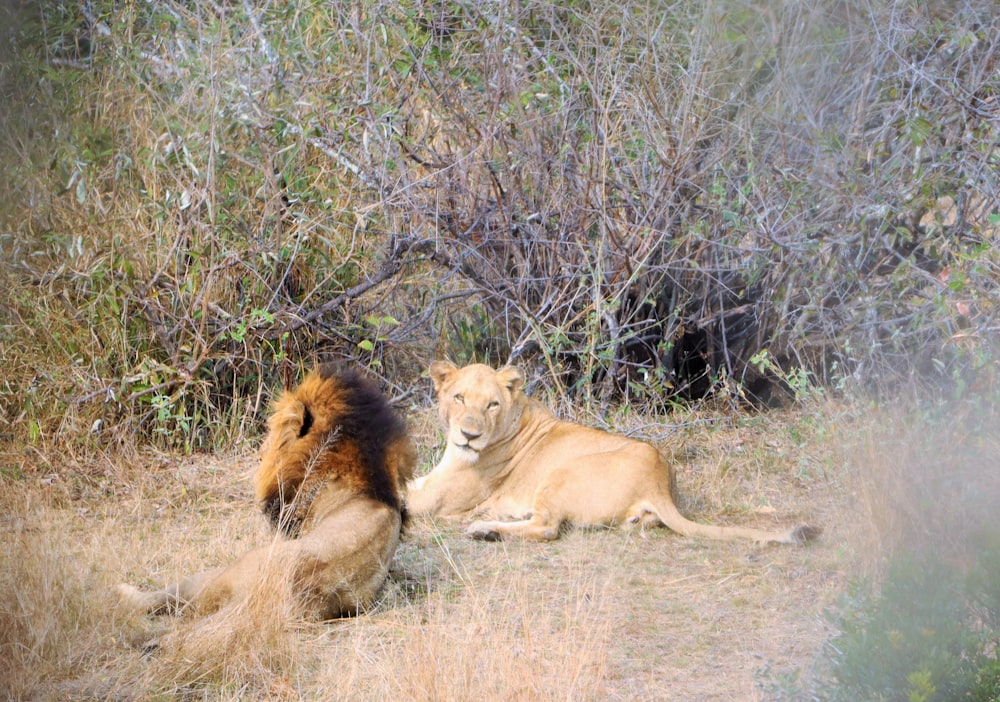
pixel 668 513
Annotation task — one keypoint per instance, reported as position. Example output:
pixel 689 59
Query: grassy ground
pixel 597 615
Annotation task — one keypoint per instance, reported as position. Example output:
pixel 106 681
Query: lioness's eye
pixel 460 398
pixel 493 404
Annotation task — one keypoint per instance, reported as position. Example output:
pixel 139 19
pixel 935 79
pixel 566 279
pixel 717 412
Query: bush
pixel 925 637
pixel 204 197
pixel 913 641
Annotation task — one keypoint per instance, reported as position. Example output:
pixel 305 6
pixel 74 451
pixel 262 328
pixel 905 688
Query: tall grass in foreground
pixel 927 472
pixel 63 635
pixel 57 615
pixel 482 643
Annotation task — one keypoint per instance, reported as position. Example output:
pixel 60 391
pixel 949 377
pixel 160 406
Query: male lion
pixel 510 461
pixel 330 481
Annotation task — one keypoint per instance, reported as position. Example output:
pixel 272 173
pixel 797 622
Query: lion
pixel 331 481
pixel 510 463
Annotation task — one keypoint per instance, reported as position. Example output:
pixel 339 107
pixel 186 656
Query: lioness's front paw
pixel 482 531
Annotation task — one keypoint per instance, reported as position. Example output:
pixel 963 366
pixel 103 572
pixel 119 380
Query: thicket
pixel 641 197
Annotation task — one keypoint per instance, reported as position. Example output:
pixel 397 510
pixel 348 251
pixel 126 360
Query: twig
pixel 390 267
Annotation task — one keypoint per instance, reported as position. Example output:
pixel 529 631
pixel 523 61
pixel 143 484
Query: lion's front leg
pixel 421 498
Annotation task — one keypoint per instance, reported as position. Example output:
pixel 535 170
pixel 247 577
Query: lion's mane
pixel 335 429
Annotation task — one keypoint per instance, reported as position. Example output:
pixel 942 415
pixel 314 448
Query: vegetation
pixel 203 197
pixel 930 634
pixel 922 623
pixel 649 203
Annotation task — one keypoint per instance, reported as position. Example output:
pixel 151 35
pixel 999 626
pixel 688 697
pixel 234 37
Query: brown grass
pixel 601 615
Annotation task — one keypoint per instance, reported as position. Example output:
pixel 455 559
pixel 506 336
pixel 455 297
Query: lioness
pixel 525 473
pixel 333 468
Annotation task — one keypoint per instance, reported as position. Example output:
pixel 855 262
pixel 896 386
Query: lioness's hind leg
pixel 642 517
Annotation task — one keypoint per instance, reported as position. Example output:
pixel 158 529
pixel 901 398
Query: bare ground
pixel 602 615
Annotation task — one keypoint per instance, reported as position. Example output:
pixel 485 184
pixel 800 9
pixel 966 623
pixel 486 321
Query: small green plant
pixel 375 330
pixel 257 317
pixel 930 635
pixel 171 420
pixel 798 379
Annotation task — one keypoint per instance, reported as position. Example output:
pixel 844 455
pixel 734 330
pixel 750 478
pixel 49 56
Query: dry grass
pixel 602 615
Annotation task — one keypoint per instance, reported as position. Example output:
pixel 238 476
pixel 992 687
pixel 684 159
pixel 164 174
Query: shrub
pixel 924 637
pixel 915 640
pixel 203 196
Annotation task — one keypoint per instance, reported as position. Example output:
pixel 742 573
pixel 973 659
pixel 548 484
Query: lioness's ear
pixel 512 377
pixel 440 372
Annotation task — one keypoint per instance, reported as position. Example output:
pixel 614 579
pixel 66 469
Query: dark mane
pixel 344 425
pixel 372 423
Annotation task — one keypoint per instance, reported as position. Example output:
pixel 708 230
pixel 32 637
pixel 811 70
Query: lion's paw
pixel 150 602
pixel 131 595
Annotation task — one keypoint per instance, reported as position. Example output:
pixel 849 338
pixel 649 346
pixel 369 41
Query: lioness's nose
pixel 470 435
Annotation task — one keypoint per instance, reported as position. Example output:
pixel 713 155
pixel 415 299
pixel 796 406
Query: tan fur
pixel 510 462
pixel 343 537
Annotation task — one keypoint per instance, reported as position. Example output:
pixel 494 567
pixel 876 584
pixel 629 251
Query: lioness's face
pixel 475 404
